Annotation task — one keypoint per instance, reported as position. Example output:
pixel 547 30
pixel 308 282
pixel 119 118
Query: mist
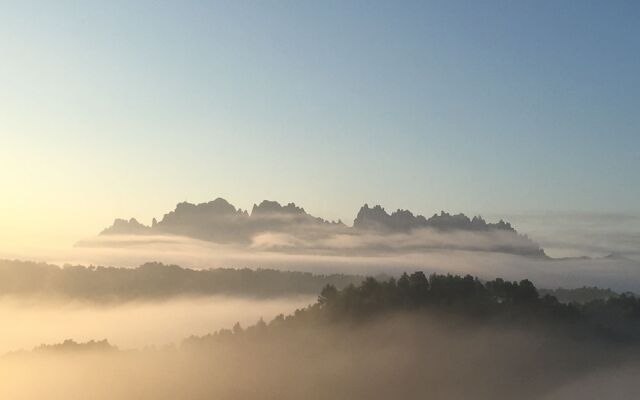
pixel 322 200
pixel 398 356
pixel 366 255
pixel 584 234
pixel 165 349
pixel 30 322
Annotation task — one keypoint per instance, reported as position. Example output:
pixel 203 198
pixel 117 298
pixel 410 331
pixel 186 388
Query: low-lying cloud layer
pixel 591 235
pixel 399 357
pixel 343 255
pixel 585 249
pixel 30 322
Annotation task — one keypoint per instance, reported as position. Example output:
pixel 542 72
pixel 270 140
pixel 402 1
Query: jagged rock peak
pixel 217 206
pixel 405 220
pixel 273 207
pixel 123 226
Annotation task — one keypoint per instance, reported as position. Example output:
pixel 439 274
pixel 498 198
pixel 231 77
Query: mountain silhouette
pixel 404 220
pixel 220 222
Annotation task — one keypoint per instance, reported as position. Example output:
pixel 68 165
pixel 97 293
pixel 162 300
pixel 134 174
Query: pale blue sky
pixel 123 108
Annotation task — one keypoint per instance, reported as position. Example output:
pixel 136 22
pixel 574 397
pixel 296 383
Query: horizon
pixel 559 234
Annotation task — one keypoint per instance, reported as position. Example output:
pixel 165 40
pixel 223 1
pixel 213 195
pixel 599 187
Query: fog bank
pixel 402 356
pixel 619 273
pixel 28 323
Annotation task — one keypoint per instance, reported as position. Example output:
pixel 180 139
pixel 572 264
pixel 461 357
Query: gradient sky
pixel 124 108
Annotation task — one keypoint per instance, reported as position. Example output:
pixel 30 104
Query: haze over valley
pixel 326 200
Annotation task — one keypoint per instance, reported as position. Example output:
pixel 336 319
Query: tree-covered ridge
pixel 156 281
pixel 72 345
pixel 616 318
pixel 464 295
pixel 580 295
pixel 67 346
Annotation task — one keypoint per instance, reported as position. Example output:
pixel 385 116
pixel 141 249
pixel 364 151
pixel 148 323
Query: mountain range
pixel 219 221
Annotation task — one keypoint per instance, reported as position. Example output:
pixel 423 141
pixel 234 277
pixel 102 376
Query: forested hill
pixel 580 295
pixel 616 319
pixel 157 281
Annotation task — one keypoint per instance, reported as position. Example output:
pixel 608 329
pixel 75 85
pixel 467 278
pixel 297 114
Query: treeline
pixel 580 295
pixel 156 281
pixel 616 318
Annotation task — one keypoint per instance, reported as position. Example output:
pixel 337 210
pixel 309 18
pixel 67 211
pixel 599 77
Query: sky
pixel 124 108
